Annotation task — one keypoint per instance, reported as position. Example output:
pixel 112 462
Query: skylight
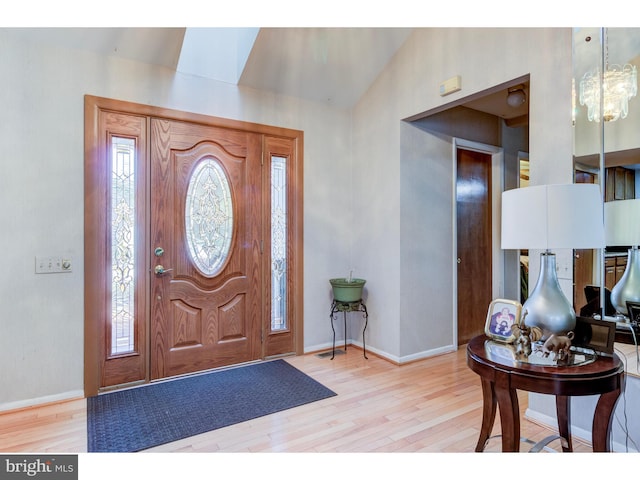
pixel 217 53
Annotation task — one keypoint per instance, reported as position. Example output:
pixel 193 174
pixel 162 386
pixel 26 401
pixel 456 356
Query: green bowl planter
pixel 347 291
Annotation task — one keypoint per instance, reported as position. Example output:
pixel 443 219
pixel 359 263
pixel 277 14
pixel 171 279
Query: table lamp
pixel 547 217
pixel 622 228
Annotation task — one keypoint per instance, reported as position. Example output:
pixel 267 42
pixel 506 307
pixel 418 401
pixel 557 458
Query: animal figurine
pixel 535 334
pixel 559 344
pixel 524 337
pixel 522 341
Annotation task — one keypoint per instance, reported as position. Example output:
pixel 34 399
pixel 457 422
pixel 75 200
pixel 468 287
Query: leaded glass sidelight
pixel 278 243
pixel 209 216
pixel 122 245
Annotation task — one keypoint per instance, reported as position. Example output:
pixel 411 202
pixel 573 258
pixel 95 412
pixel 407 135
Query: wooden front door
pixel 180 213
pixel 205 234
pixel 473 204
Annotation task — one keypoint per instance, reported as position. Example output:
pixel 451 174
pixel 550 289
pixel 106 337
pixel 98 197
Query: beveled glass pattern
pixel 209 216
pixel 122 245
pixel 278 243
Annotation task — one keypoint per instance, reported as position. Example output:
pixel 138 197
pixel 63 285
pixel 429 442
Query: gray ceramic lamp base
pixel 628 288
pixel 547 307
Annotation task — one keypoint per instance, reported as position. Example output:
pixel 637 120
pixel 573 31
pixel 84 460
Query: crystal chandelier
pixel 619 85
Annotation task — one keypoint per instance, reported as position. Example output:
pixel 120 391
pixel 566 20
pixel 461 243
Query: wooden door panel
pixel 281 340
pixel 236 170
pixel 184 135
pixel 187 329
pixel 474 243
pixel 204 319
pixel 198 323
pixel 130 366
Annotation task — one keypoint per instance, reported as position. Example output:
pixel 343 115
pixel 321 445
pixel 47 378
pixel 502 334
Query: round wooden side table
pixel 502 375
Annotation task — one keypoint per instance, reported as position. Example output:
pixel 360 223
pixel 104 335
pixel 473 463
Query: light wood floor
pixel 433 405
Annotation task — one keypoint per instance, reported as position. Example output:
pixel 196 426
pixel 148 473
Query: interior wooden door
pixel 473 204
pixel 205 253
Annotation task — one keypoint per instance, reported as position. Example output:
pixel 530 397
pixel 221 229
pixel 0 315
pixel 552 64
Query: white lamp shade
pixel 553 216
pixel 622 222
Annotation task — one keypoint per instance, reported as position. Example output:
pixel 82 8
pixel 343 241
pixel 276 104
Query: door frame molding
pixel 93 105
pixel 497 186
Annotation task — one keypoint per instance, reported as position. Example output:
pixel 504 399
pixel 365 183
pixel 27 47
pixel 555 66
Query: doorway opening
pixel 479 262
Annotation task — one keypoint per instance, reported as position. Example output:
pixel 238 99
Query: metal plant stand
pixel 344 307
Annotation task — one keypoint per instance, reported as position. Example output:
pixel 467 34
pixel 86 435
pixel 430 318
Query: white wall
pixel 428 178
pixel 352 183
pixel 41 198
pixel 483 58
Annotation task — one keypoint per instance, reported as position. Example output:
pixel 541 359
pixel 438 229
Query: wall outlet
pixel 53 264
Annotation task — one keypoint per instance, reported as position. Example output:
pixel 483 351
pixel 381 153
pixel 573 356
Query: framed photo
pixel 593 334
pixel 501 316
pixel 633 309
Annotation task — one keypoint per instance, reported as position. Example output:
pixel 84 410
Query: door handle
pixel 459 261
pixel 159 270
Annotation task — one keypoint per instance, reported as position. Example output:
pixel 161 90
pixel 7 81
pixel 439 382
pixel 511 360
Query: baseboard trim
pixel 40 401
pixel 414 357
pixel 584 435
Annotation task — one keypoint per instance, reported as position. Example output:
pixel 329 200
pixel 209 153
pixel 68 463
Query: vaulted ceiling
pixel 335 66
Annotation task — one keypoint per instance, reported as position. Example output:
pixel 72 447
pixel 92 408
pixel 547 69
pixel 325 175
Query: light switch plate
pixel 55 264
